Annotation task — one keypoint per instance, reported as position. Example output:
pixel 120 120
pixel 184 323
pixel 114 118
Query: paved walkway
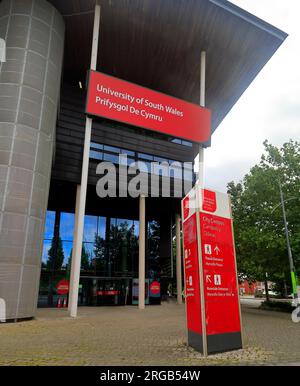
pixel 128 336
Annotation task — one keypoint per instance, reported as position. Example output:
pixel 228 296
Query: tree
pixel 258 222
pixel 55 255
pixel 85 260
pixel 99 253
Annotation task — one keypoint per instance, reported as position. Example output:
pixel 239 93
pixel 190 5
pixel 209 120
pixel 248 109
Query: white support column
pixel 199 200
pixel 78 232
pixel 202 103
pixel 74 238
pixel 142 237
pixel 178 260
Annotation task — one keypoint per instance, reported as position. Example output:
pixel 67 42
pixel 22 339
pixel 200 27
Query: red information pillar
pixel 212 299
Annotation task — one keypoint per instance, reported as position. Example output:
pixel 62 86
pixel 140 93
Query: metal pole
pixel 199 201
pixel 142 231
pixel 291 261
pixel 202 103
pixel 77 246
pixel 74 238
pixel 178 260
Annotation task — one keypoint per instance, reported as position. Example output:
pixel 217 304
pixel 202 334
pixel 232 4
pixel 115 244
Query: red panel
pixel 186 207
pixel 62 287
pixel 219 275
pixel 122 101
pixel 209 200
pixel 191 267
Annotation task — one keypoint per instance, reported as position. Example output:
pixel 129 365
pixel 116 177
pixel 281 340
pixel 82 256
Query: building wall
pixel 29 93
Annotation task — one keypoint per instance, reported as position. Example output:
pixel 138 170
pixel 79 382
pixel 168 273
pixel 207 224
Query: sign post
pixel 212 298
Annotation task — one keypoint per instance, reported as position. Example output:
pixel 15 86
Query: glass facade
pixel 163 166
pixel 109 260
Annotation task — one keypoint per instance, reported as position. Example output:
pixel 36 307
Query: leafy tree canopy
pixel 258 221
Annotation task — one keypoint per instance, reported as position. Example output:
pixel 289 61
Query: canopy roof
pixel 157 44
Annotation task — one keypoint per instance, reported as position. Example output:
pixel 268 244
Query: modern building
pixel 43 88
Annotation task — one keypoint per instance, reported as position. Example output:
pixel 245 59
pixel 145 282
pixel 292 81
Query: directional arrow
pixel 208 278
pixel 217 250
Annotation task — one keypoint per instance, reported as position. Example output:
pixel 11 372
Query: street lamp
pixel 291 261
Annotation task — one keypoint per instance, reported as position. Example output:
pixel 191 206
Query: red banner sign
pixel 154 288
pixel 220 284
pixel 191 269
pixel 212 270
pixel 126 102
pixel 62 287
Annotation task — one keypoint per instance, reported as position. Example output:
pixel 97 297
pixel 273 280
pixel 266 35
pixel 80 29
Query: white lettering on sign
pixel 131 99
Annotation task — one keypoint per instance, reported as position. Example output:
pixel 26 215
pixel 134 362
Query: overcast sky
pixel 274 96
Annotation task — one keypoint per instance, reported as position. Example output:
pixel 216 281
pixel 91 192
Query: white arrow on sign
pixel 208 278
pixel 217 250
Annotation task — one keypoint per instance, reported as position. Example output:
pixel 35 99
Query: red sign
pixel 122 101
pixel 62 287
pixel 108 292
pixel 210 274
pixel 219 274
pixel 209 203
pixel 191 269
pixel 154 288
pixel 186 207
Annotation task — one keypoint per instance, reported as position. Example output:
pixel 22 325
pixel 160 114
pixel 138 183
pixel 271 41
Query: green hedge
pixel 277 306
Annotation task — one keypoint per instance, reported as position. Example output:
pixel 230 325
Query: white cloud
pixel 269 109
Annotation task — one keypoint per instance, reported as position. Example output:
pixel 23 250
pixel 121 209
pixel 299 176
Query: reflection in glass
pixel 66 227
pixel 49 224
pixel 90 228
pixel 56 256
pixel 67 248
pixel 111 158
pixel 101 226
pixel 96 155
pixel 153 249
pixel 46 247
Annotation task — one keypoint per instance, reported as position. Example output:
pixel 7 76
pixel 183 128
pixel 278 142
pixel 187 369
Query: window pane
pixel 111 158
pixel 67 248
pixel 90 228
pixel 96 146
pixel 113 149
pixel 186 143
pixel 142 166
pixel 49 225
pixel 66 228
pixel 188 175
pixel 145 156
pixel 175 170
pixel 136 225
pixel 46 247
pixel 128 152
pixel 87 256
pixel 160 159
pixel 101 226
pixel 160 169
pixel 96 154
pixel 128 161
